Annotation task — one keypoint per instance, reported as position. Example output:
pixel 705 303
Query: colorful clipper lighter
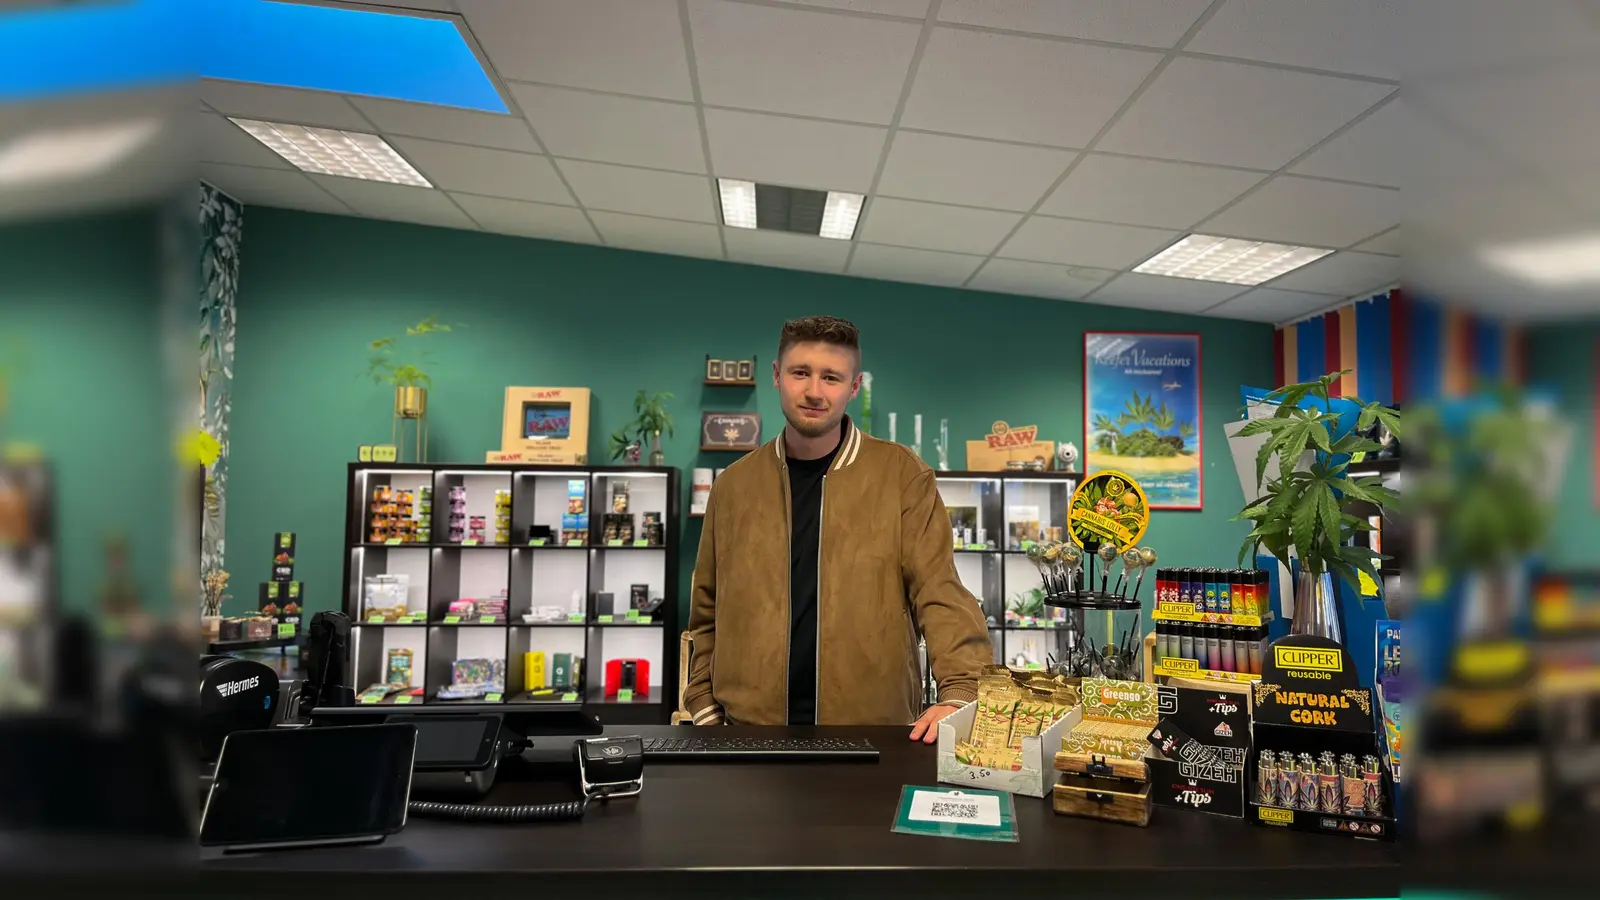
pixel 1328 796
pixel 1307 798
pixel 1266 780
pixel 1372 783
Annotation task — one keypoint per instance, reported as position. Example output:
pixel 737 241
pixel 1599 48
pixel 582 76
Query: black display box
pixel 1199 750
pixel 1310 700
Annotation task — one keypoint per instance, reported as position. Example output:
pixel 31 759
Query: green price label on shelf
pixel 370 698
pixel 641 542
pixel 976 547
pixel 392 542
pixel 452 620
pixel 569 697
pixel 487 620
pixel 1036 667
pixel 644 620
pixel 405 620
pixel 614 543
pixel 575 542
pixel 286 629
pixel 633 614
pixel 575 617
pixel 374 620
pixel 403 699
pixel 1027 544
pixel 604 619
pixel 491 698
pixel 470 542
pixel 625 696
pixel 537 542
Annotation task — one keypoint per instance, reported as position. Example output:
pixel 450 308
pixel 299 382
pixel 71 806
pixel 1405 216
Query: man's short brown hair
pixel 824 329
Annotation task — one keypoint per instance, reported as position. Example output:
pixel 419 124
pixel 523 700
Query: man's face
pixel 815 380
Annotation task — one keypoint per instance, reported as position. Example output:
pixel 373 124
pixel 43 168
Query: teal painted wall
pixel 315 289
pixel 1563 358
pixel 81 297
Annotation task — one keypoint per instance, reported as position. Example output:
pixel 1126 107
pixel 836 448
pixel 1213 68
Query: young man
pixel 823 556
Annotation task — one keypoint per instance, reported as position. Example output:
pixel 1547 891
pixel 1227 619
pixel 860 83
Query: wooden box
pixel 1098 787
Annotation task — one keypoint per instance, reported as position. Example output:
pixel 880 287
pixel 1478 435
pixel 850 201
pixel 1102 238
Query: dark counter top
pixel 770 830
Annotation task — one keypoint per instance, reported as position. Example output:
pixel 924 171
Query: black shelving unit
pixel 998 573
pixel 554 575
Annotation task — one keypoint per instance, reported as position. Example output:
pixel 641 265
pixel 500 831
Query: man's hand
pixel 926 729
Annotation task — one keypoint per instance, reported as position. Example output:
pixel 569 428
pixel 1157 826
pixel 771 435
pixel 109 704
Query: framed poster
pixel 1142 413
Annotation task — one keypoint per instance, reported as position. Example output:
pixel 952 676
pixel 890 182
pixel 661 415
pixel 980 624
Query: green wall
pixel 315 289
pixel 1563 358
pixel 81 299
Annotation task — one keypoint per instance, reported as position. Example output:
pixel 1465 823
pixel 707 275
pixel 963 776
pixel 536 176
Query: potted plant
pixel 1305 510
pixel 650 419
pixel 216 587
pixel 400 364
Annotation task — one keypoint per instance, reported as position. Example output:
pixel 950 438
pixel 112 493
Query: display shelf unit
pixel 1003 510
pixel 567 582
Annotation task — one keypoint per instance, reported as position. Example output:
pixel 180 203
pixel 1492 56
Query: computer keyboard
pixel 724 748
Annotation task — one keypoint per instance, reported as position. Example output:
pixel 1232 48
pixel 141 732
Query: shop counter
pixel 765 829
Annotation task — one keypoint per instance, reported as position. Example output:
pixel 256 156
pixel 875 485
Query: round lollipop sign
pixel 1108 508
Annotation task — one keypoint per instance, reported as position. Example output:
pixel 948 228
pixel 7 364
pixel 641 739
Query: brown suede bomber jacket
pixel 887 575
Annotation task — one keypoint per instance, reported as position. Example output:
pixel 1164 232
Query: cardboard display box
pixel 1199 749
pixel 1116 721
pixel 1035 777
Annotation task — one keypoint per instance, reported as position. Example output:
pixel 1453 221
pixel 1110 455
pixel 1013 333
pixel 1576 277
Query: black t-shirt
pixel 805 532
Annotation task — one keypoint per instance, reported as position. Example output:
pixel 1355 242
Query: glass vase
pixel 657 458
pixel 1315 611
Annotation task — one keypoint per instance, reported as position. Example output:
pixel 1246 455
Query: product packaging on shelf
pixel 1390 691
pixel 281 598
pixel 1005 739
pixel 1199 749
pixel 1117 719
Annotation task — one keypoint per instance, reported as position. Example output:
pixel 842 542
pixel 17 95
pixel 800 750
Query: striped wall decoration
pixel 1397 348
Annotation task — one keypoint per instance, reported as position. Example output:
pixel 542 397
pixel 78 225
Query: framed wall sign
pixel 730 430
pixel 1142 413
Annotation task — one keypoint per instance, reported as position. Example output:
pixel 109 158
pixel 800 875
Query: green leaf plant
pixel 1308 509
pixel 650 417
pixel 398 361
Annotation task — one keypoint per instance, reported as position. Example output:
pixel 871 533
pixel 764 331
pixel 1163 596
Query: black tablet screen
pixel 293 785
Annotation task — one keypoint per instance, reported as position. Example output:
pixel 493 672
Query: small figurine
pixel 1067 456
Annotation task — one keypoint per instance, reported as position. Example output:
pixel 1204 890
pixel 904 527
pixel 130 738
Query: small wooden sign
pixel 1004 444
pixel 377 453
pixel 730 431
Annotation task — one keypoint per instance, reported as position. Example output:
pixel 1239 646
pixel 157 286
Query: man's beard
pixel 812 427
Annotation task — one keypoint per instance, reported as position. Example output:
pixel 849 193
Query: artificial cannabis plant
pixel 650 420
pixel 1306 508
pixel 398 360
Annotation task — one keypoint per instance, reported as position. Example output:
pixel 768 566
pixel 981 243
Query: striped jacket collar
pixel 848 448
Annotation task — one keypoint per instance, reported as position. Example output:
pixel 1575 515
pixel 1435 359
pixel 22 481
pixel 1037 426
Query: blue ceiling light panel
pixel 347 51
pixel 57 52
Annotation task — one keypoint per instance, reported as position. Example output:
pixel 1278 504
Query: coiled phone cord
pixel 568 811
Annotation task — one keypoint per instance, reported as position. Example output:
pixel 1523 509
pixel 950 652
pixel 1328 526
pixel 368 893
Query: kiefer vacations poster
pixel 1142 415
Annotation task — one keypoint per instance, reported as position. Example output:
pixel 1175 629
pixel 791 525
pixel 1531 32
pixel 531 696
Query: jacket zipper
pixel 816 690
pixel 788 588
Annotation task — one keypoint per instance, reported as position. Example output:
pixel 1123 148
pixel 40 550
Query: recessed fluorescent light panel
pixel 829 214
pixel 1560 262
pixel 1206 257
pixel 329 151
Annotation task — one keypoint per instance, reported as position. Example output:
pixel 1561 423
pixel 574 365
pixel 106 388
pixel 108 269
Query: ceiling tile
pixel 642 191
pixel 606 128
pixel 1361 37
pixel 1387 243
pixel 971 172
pixel 1305 211
pixel 794 152
pixel 1158 292
pixel 788 251
pixel 906 264
pixel 1012 276
pixel 626 46
pixel 1203 110
pixel 1074 243
pixel 929 226
pixel 281 104
pixel 464 126
pixel 1346 274
pixel 1151 23
pixel 1371 151
pixel 658 235
pixel 480 170
pixel 1021 89
pixel 402 203
pixel 1146 192
pixel 1271 305
pixel 219 140
pixel 271 187
pixel 800 61
pixel 916 9
pixel 540 220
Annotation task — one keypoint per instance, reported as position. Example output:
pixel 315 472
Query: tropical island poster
pixel 1141 411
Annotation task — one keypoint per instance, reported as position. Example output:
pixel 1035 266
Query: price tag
pixel 625 695
pixel 569 697
pixel 614 543
pixel 491 698
pixel 374 620
pixel 405 620
pixel 370 698
pixel 470 542
pixel 537 542
pixel 955 808
pixel 392 542
pixel 575 617
pixel 487 620
pixel 604 619
pixel 633 614
pixel 286 629
pixel 641 542
pixel 404 699
pixel 452 620
pixel 575 542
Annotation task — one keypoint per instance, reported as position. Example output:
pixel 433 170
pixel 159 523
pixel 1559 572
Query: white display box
pixel 1036 778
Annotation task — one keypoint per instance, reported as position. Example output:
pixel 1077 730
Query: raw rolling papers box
pixel 1100 787
pixel 1117 718
pixel 1032 780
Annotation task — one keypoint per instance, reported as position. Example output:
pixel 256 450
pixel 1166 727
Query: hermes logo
pixel 229 688
pixel 1308 658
